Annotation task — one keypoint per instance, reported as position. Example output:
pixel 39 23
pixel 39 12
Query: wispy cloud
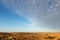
pixel 41 13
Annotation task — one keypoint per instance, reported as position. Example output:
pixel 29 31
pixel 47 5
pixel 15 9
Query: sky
pixel 29 15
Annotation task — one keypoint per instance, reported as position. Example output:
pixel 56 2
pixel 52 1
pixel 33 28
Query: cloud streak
pixel 41 13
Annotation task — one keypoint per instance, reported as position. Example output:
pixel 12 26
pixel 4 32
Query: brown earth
pixel 30 36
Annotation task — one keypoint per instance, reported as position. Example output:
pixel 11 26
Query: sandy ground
pixel 30 36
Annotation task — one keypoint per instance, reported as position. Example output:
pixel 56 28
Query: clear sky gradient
pixel 10 21
pixel 29 15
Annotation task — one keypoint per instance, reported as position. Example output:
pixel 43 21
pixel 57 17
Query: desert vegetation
pixel 29 36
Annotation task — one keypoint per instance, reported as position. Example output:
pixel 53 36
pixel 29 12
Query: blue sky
pixel 29 15
pixel 9 20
